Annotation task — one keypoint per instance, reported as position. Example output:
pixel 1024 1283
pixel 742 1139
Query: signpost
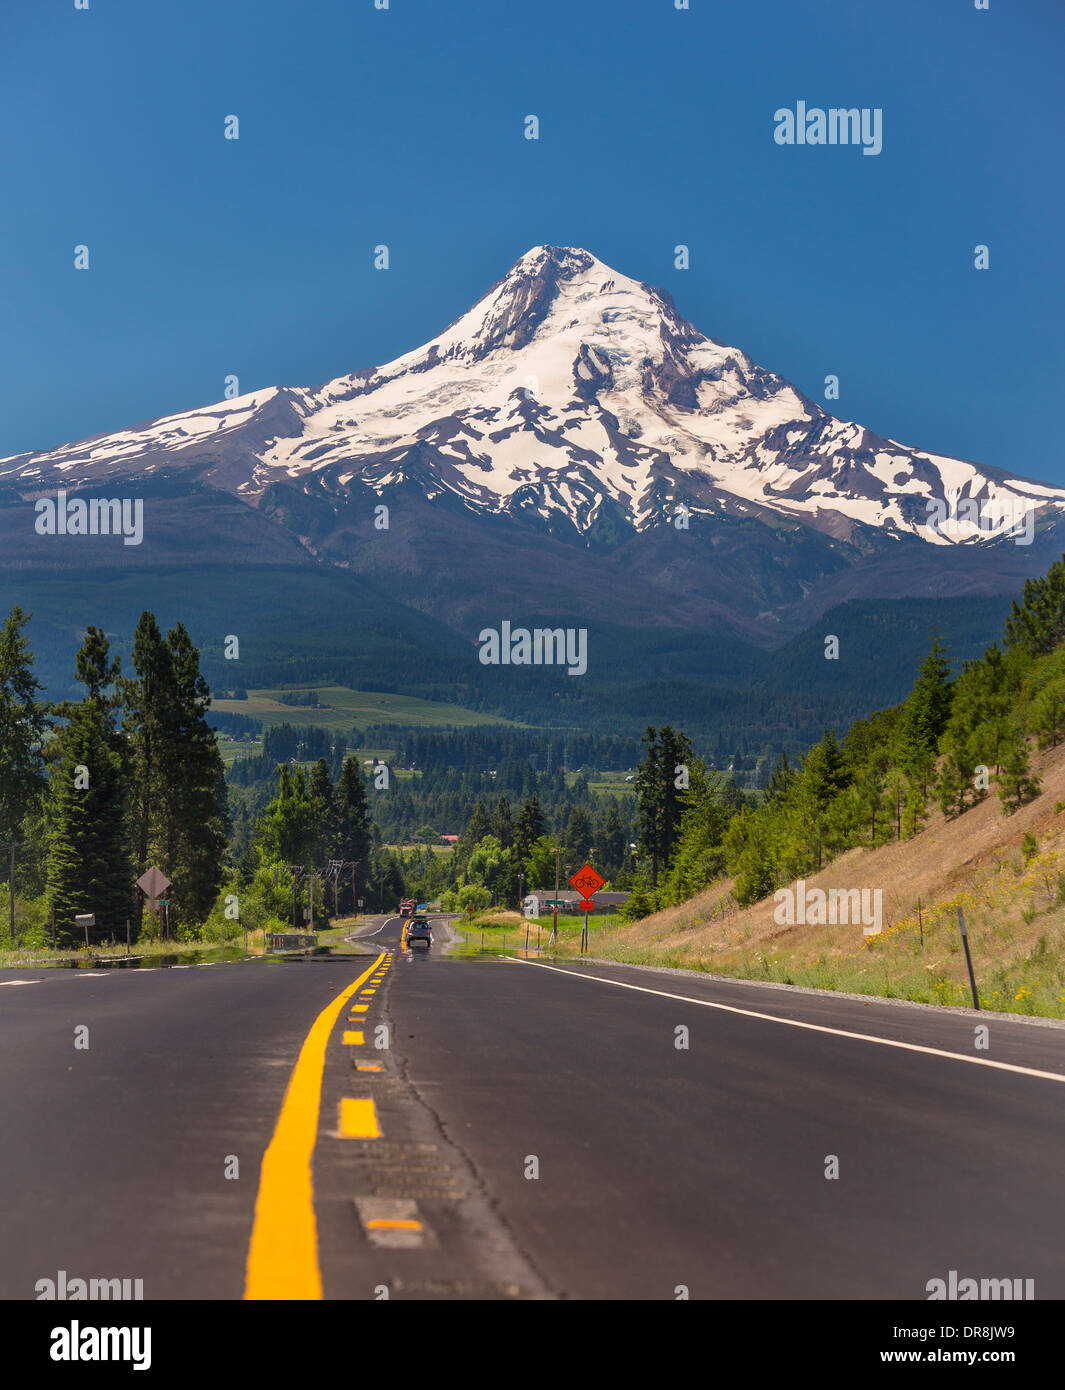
pixel 153 883
pixel 968 958
pixel 587 882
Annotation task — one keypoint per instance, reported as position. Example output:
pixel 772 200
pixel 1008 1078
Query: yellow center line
pixel 283 1251
pixel 357 1119
pixel 380 1224
pixel 352 1039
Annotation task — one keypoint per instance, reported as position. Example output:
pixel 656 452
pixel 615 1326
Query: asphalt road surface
pixel 419 1125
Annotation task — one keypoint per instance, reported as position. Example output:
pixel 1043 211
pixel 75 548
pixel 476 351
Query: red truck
pixel 406 907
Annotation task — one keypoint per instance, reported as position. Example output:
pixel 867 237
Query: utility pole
pixel 558 866
pixel 334 869
pixel 295 870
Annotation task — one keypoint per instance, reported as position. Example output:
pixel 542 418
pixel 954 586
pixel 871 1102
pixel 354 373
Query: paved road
pixel 533 1131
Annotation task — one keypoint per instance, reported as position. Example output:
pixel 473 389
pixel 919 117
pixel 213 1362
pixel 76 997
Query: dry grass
pixel 1015 912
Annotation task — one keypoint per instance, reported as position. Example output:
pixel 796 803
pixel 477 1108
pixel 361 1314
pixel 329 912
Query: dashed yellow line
pixel 357 1119
pixel 283 1252
pixel 352 1039
pixel 368 1066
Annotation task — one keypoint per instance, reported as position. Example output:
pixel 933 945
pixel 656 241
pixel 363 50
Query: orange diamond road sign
pixel 587 881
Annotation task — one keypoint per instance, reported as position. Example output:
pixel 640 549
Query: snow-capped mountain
pixel 568 393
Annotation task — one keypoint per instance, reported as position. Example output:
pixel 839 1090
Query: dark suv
pixel 419 932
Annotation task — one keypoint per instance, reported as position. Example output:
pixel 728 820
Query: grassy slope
pixel 1015 912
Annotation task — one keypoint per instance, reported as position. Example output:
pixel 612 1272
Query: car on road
pixel 419 932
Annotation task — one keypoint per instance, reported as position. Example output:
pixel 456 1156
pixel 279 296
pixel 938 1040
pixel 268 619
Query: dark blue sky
pixel 405 126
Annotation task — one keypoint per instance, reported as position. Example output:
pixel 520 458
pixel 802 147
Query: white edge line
pixel 799 1023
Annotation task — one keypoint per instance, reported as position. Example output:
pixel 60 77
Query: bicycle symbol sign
pixel 587 881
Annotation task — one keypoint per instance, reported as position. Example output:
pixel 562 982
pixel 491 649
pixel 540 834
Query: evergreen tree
pixel 1016 783
pixel 731 796
pixel 89 867
pixel 502 826
pixel 1047 715
pixel 386 883
pixel 824 770
pixel 610 843
pixel 323 811
pixel 914 813
pixel 577 838
pixel 23 721
pixel 193 801
pixel 751 854
pixel 478 826
pixel 354 836
pixel 528 828
pixel 927 707
pixel 1037 623
pixel 147 697
pixel 780 779
pixel 699 855
pixel 286 830
pixel 660 783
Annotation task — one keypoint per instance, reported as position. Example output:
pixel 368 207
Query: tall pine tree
pixel 146 695
pixel 661 781
pixel 23 721
pixel 354 833
pixel 193 804
pixel 89 864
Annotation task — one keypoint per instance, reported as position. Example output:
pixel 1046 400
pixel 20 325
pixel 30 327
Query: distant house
pixel 535 904
pixel 451 839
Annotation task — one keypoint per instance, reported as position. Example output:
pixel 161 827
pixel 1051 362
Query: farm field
pixel 342 708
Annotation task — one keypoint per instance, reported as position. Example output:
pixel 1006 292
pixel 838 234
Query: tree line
pixel 97 789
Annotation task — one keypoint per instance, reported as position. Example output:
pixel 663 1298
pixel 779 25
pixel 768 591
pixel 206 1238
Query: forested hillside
pixel 959 737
